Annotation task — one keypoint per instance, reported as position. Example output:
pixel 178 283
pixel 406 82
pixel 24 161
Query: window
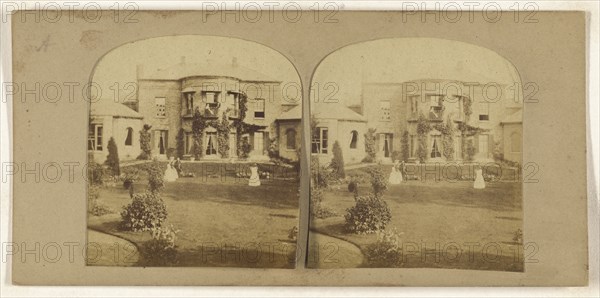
pixel 129 138
pixel 484 113
pixel 259 108
pixel 211 143
pixel 435 107
pixel 435 149
pixel 188 98
pixel 320 140
pixel 290 136
pixel 414 104
pixel 384 110
pixel 95 137
pixel 161 111
pixel 353 139
pixel 235 99
pixel 188 143
pixel 211 98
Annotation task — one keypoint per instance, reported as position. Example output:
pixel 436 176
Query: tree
pixel 145 145
pixel 405 153
pixel 180 143
pixel 198 126
pixel 337 162
pixel 112 159
pixel 370 147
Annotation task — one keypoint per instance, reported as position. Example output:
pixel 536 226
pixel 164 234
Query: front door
pixel 385 140
pixel 483 146
pixel 259 143
pixel 160 143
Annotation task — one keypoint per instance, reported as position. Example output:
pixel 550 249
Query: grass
pixel 223 222
pixel 437 219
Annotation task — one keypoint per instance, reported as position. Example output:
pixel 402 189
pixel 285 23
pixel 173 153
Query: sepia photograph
pixel 416 158
pixel 194 155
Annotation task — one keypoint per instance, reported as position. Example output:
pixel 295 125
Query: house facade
pixel 434 120
pixel 227 99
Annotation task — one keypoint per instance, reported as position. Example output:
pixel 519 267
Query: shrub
pixel 155 176
pixel 378 181
pixel 370 214
pixel 95 208
pixel 96 173
pixel 145 212
pixel 337 162
pixel 145 145
pixel 273 149
pixel 316 208
pixel 469 150
pixel 112 159
pixel 321 175
pixel 386 252
pixel 370 145
pixel 161 250
pixel 244 148
pixel 404 146
pixel 180 143
pixel 171 152
pixel 130 175
pixel 353 186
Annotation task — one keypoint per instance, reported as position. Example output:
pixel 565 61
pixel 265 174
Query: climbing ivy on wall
pixel 423 128
pixel 224 127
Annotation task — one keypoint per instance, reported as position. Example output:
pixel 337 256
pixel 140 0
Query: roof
pixel 340 113
pixel 294 113
pixel 110 108
pixel 184 70
pixel 516 117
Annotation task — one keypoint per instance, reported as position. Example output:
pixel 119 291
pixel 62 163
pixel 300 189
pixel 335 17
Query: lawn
pixel 221 221
pixel 443 225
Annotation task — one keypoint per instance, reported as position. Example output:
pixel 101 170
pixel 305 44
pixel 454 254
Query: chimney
pixel 182 60
pixel 234 62
pixel 140 71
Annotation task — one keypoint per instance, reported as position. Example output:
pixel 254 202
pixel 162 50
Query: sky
pixel 405 59
pixel 118 67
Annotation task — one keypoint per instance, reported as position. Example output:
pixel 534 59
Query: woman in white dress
pixel 170 173
pixel 479 182
pixel 395 175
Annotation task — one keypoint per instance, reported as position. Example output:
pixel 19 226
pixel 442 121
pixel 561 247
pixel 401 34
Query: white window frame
pixel 96 146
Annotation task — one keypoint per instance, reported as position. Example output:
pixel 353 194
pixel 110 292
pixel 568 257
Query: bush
pixel 145 212
pixel 161 251
pixel 370 214
pixel 321 175
pixel 337 162
pixel 94 208
pixel 96 173
pixel 386 252
pixel 180 143
pixel 404 146
pixel 155 176
pixel 145 145
pixel 370 145
pixel 112 159
pixel 129 175
pixel 316 208
pixel 469 150
pixel 244 148
pixel 378 181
